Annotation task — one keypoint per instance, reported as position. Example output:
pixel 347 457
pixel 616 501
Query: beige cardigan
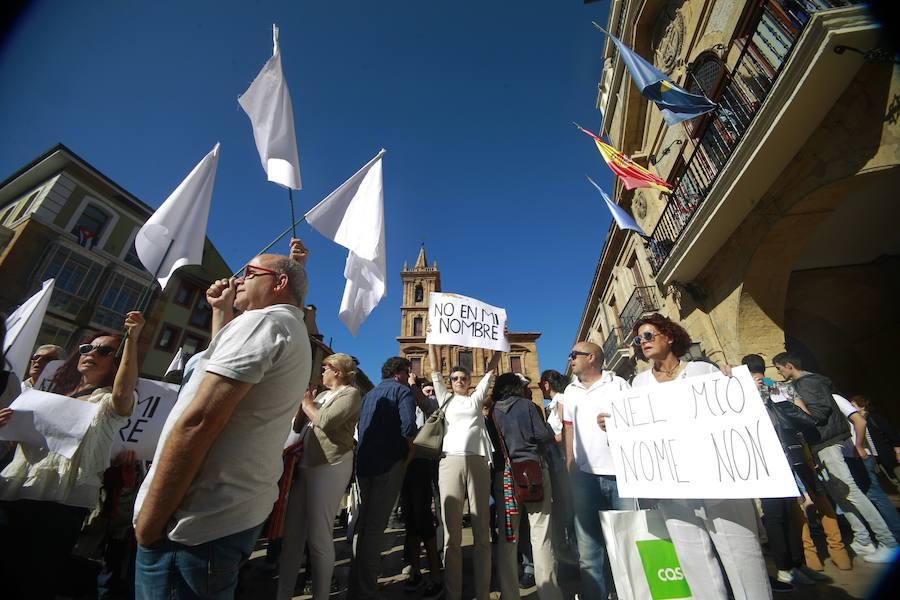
pixel 332 429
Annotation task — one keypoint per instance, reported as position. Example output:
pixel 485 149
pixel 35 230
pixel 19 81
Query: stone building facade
pixel 418 282
pixel 780 232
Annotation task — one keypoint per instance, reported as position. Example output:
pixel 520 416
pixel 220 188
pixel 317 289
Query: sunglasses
pixel 42 358
pixel 251 271
pixel 100 350
pixel 459 378
pixel 576 353
pixel 647 336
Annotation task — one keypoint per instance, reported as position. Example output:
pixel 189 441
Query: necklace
pixel 668 372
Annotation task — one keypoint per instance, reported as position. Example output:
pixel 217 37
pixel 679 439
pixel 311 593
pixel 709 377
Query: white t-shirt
pixel 553 419
pixel 238 481
pixel 846 407
pixel 580 408
pixel 691 369
pixel 466 433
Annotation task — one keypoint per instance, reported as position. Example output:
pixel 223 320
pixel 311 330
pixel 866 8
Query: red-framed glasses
pixel 251 271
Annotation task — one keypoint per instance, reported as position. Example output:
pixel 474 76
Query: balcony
pixel 642 301
pixel 783 83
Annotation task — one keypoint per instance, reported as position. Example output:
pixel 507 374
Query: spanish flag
pixel 632 174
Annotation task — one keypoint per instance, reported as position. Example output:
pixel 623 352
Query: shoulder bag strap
pixel 500 435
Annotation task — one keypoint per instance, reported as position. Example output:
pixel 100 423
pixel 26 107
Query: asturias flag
pixel 675 103
pixel 632 174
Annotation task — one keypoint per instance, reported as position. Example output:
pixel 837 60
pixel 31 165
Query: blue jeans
pixel 170 570
pixel 868 483
pixel 593 493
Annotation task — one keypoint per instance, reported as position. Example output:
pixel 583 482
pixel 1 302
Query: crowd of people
pixel 249 444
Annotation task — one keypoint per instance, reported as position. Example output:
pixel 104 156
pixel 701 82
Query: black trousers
pixel 784 531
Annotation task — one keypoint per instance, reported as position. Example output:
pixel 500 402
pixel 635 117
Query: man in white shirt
pixel 589 462
pixel 215 473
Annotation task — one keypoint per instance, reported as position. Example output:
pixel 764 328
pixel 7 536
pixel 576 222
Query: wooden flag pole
pixel 146 294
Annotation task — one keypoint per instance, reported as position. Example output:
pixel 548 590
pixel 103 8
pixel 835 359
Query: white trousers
pixel 541 547
pixel 696 525
pixel 460 477
pixel 313 502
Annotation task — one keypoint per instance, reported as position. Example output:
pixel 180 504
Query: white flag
pixel 353 216
pixel 181 221
pixel 177 364
pixel 268 104
pixel 22 328
pixel 622 218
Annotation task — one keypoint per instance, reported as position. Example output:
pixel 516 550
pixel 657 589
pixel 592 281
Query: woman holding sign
pixel 45 496
pixel 696 526
pixel 464 472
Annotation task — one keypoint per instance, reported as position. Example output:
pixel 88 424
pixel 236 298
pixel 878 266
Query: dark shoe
pixel 527 581
pixel 413 583
pixel 780 587
pixel 433 590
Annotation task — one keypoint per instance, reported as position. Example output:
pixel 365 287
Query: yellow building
pixel 781 229
pixel 418 282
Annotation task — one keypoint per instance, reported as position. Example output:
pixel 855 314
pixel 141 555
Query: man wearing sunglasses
pixel 589 461
pixel 214 475
pixel 42 357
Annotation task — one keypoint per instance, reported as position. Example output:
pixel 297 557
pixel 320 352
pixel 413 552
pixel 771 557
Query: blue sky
pixel 473 101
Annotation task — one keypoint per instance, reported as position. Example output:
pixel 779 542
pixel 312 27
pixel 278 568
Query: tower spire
pixel 421 261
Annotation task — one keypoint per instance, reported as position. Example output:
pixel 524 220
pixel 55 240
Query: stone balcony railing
pixel 642 301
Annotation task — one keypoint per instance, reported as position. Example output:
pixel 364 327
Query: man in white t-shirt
pixel 215 473
pixel 589 461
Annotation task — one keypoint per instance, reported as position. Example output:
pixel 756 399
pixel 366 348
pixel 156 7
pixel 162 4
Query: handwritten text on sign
pixel 461 321
pixel 141 432
pixel 700 437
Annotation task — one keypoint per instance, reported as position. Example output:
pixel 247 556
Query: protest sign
pixel 46 378
pixel 701 437
pixel 59 420
pixel 141 433
pixel 461 321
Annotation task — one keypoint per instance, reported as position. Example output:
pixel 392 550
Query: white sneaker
pixel 800 577
pixel 812 574
pixel 862 549
pixel 882 555
pixel 785 577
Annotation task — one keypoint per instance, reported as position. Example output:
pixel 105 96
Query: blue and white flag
pixel 676 104
pixel 622 218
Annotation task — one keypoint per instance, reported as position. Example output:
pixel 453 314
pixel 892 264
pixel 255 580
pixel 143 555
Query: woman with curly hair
pixel 698 526
pixel 45 496
pixel 326 425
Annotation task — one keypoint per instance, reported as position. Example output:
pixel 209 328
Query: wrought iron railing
pixel 642 301
pixel 611 344
pixel 777 30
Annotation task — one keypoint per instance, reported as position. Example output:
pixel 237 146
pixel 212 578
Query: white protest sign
pixel 701 437
pixel 461 321
pixel 141 433
pixel 45 379
pixel 61 421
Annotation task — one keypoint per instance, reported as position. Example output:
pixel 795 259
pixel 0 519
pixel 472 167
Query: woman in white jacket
pixel 464 472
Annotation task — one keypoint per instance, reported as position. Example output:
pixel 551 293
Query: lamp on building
pixel 875 55
pixel 653 158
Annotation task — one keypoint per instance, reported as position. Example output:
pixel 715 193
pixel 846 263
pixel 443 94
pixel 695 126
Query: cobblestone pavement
pixel 259 582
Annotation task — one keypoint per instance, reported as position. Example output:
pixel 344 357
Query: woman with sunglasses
pixel 698 526
pixel 326 426
pixel 44 496
pixel 464 472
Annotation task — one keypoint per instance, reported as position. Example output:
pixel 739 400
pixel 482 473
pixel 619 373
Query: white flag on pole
pixel 268 104
pixel 622 218
pixel 177 364
pixel 181 221
pixel 353 216
pixel 22 328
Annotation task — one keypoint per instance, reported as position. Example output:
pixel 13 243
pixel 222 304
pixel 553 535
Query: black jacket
pixel 815 390
pixel 524 430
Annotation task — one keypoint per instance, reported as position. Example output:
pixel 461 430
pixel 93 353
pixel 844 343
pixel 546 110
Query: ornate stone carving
pixel 668 38
pixel 639 205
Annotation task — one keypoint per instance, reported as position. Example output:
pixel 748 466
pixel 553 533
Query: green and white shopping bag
pixel 641 556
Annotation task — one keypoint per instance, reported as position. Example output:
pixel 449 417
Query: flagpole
pixel 293 218
pixel 276 240
pixel 146 294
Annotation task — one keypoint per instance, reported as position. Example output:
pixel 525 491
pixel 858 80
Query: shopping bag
pixel 641 555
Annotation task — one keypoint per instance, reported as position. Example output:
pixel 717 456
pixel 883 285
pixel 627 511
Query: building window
pixel 168 337
pixel 417 326
pixel 121 295
pixel 464 359
pixel 201 318
pixel 89 225
pixel 416 362
pixel 53 334
pixel 192 344
pixel 707 77
pixel 515 364
pixel 184 294
pixel 420 294
pixel 76 276
pixel 27 205
pixel 133 259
